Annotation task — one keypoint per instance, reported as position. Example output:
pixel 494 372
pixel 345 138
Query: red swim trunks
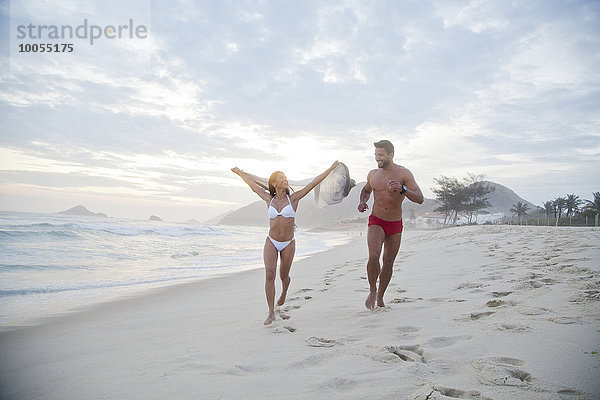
pixel 389 227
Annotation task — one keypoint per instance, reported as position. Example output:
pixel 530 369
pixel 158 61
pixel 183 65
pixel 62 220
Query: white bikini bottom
pixel 280 245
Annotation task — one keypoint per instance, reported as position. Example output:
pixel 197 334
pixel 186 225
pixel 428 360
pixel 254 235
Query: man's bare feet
pixel 270 318
pixel 281 299
pixel 380 302
pixel 370 302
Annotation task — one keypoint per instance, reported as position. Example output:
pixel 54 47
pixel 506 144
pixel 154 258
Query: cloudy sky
pixel 139 126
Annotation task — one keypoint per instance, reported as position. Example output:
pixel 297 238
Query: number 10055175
pixel 45 48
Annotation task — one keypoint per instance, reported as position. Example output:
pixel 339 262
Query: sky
pixel 151 124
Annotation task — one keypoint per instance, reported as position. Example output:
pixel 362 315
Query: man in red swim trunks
pixel 390 184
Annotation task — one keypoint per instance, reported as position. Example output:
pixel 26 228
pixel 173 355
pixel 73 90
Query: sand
pixel 485 312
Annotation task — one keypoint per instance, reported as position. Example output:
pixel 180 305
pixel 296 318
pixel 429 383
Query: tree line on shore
pixel 575 210
pixel 468 197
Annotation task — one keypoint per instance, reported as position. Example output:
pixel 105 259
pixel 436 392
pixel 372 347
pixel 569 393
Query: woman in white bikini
pixel 281 209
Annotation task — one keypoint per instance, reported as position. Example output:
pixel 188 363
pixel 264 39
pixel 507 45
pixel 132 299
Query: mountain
pixel 216 220
pixel 82 211
pixel 154 218
pixel 503 199
pixel 309 216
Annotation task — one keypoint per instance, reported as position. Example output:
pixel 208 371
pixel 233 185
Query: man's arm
pixel 365 193
pixel 413 192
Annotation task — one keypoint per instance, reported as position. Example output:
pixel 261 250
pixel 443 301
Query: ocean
pixel 52 264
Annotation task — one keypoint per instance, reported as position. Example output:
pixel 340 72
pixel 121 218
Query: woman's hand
pixel 334 165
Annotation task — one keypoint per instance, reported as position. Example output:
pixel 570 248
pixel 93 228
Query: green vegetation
pixel 466 198
pixel 563 211
pixel 520 210
pixel 469 198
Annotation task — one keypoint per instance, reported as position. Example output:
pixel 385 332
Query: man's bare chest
pixel 380 182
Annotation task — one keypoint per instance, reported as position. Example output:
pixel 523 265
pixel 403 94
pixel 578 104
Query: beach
pixel 475 312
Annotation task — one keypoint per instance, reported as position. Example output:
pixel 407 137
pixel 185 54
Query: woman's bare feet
pixel 270 318
pixel 285 283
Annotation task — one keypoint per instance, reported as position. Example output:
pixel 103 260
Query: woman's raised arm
pixel 296 196
pixel 262 193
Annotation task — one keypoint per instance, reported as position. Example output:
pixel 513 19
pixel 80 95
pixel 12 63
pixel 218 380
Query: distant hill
pixel 309 216
pixel 502 200
pixel 216 220
pixel 154 218
pixel 82 211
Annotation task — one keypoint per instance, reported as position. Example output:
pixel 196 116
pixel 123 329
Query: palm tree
pixel 548 209
pixel 559 205
pixel 593 205
pixel 572 204
pixel 520 210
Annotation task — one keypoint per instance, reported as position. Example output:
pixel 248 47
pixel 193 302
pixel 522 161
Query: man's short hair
pixel 386 145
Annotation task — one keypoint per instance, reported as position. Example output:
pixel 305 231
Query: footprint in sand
pixel 495 303
pixel 405 300
pixel 479 315
pixel 290 308
pixel 564 320
pixel 500 294
pixel 515 328
pixel 442 392
pixel 285 329
pixel 407 329
pixel 394 354
pixel 571 393
pixel 471 285
pixel 501 371
pixel 314 341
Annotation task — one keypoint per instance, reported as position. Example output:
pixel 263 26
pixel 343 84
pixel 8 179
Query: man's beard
pixel 384 163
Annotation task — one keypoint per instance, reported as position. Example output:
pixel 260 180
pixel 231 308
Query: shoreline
pixel 37 305
pixel 477 311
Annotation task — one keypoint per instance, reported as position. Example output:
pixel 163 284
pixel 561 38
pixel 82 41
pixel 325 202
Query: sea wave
pixel 74 230
pixel 7 234
pixel 40 267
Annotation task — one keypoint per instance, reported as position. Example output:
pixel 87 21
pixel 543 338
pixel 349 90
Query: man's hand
pixel 236 170
pixel 362 207
pixel 394 186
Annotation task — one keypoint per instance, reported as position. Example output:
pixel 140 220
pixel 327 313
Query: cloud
pixel 501 88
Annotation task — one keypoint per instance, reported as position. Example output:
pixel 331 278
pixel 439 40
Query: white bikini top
pixel 287 211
